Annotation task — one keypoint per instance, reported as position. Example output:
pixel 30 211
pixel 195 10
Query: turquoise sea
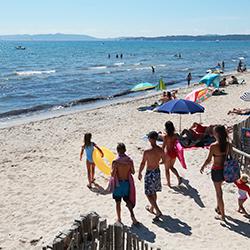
pixel 58 75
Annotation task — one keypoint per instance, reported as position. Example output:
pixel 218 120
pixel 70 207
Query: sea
pixel 50 76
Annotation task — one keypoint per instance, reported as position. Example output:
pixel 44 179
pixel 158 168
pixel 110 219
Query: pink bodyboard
pixel 180 154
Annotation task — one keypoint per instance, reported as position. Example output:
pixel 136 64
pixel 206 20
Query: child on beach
pixel 122 171
pixel 169 142
pixel 152 158
pixel 243 190
pixel 89 146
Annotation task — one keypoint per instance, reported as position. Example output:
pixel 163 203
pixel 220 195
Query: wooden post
pixel 137 243
pixel 118 237
pixel 111 237
pixel 104 244
pixel 142 244
pixel 58 244
pixel 129 240
pixel 102 224
pixel 134 241
pixel 85 241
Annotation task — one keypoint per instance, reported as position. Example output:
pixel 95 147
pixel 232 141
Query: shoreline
pixel 13 121
pixel 44 183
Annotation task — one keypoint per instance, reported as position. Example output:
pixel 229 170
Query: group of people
pixel 168 96
pixel 116 56
pixel 123 169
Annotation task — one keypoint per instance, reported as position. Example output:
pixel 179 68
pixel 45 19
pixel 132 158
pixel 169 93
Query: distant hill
pixel 192 38
pixel 48 37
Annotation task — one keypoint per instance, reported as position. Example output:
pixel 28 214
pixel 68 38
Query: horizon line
pixel 127 36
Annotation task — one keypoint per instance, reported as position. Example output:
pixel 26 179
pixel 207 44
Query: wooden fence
pixel 91 232
pixel 244 160
pixel 237 128
pixel 243 157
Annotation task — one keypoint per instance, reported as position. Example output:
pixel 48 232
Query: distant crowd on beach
pixel 121 182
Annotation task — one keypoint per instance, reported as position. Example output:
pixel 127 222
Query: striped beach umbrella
pixel 245 97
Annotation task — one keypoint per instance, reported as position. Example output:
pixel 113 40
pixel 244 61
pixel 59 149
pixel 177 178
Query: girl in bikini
pixel 218 152
pixel 169 142
pixel 89 146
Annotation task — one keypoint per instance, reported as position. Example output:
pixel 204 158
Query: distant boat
pixel 20 47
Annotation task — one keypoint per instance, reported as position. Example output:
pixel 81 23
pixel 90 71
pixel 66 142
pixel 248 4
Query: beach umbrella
pixel 180 106
pixel 143 86
pixel 211 79
pixel 245 97
pixel 192 96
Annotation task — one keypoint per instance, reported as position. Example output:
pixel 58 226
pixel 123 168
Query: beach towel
pixel 124 159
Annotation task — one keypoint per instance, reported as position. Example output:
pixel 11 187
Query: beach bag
pixel 231 169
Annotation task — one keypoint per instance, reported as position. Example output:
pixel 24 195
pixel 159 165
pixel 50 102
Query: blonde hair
pixel 244 177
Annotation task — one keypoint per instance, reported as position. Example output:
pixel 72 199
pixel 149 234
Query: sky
pixel 118 18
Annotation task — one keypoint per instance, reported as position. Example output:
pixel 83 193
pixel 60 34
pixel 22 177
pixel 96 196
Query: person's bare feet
pixel 150 209
pixel 167 184
pixel 217 210
pixel 180 181
pixel 219 217
pixel 118 221
pixel 135 221
pixel 157 217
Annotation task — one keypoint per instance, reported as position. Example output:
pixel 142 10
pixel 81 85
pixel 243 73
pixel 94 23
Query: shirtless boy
pixel 121 169
pixel 152 158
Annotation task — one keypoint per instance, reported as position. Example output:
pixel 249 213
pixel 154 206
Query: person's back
pixel 170 143
pixel 219 157
pixel 123 169
pixel 153 157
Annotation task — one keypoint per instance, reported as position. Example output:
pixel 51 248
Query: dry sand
pixel 43 183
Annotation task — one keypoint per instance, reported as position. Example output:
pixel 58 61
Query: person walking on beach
pixel 89 146
pixel 169 142
pixel 218 152
pixel 122 169
pixel 189 78
pixel 152 180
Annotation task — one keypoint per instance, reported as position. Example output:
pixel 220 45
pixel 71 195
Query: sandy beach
pixel 43 183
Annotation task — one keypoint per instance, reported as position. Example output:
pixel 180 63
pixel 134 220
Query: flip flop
pixel 148 209
pixel 157 218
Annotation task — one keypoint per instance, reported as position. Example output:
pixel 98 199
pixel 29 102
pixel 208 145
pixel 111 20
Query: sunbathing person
pixel 239 111
pixel 234 80
pixel 166 96
pixel 197 133
pixel 223 82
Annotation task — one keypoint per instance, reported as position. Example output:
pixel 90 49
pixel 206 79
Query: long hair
pixel 170 129
pixel 222 137
pixel 87 139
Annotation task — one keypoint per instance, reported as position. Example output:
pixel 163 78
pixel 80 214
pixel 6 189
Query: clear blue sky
pixel 114 18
